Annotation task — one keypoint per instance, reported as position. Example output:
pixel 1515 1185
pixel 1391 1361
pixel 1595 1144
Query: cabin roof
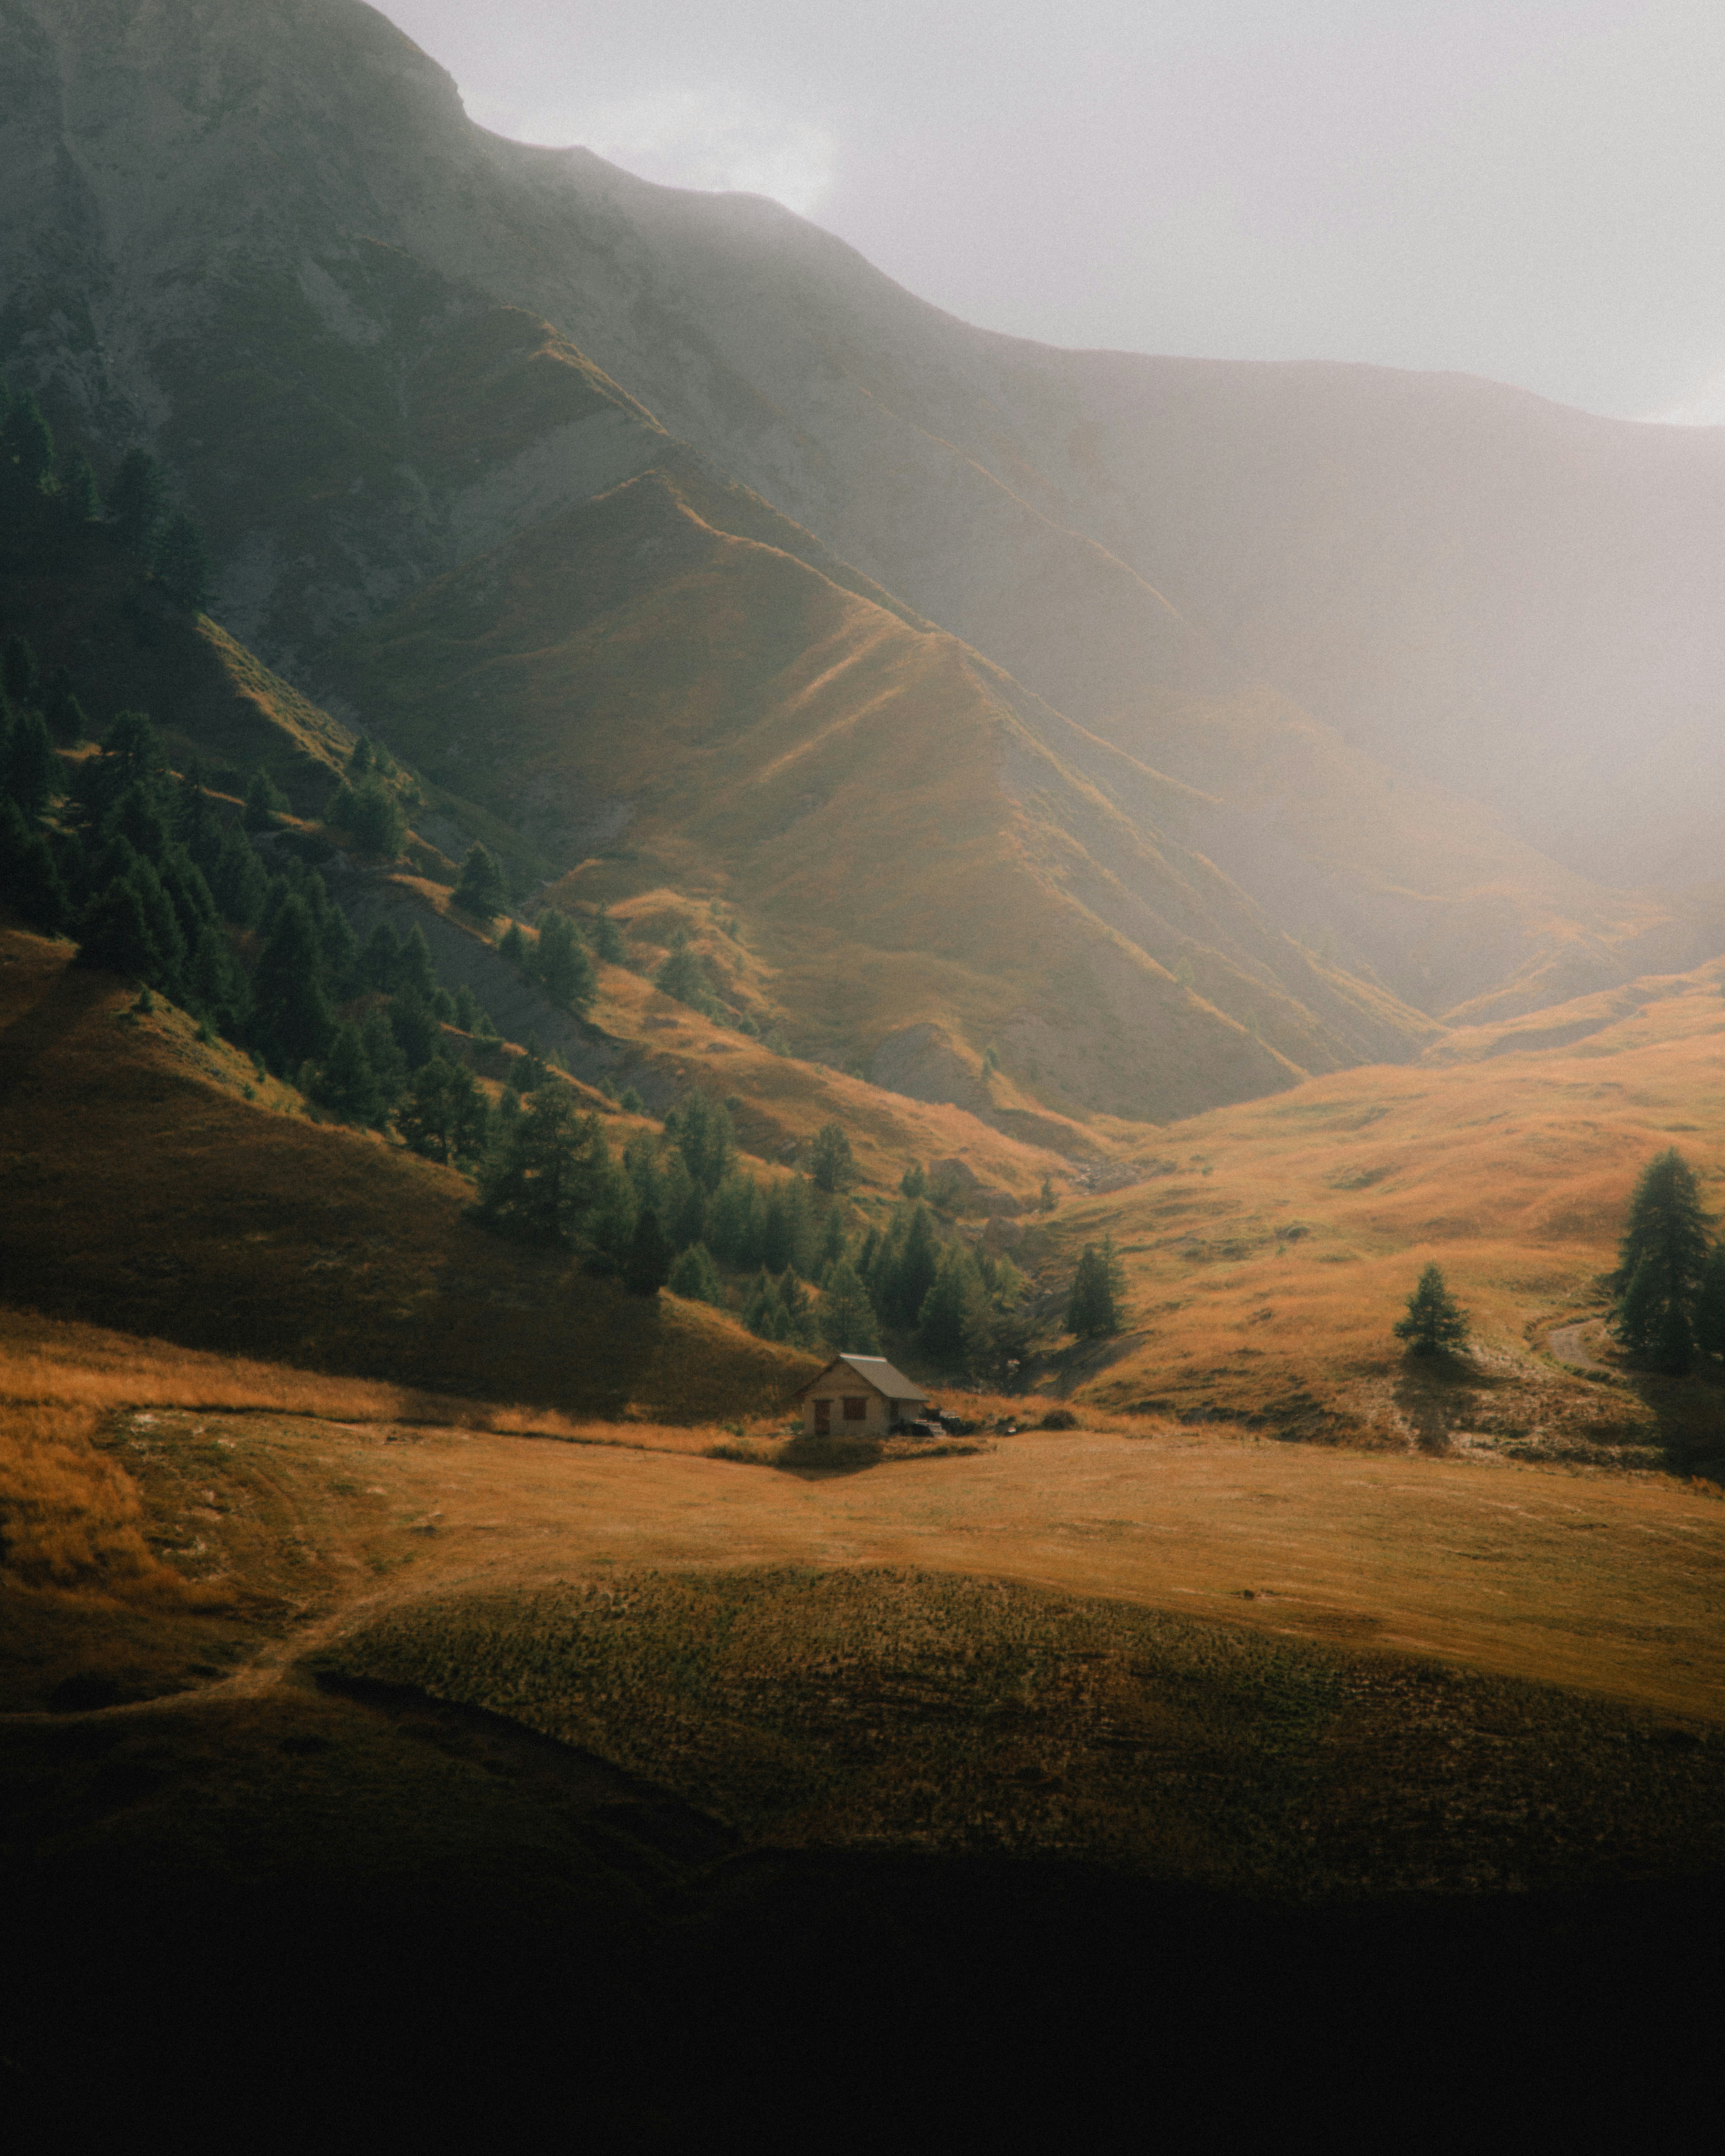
pixel 874 1370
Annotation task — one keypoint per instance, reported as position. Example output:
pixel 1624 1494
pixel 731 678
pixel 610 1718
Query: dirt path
pixel 1565 1345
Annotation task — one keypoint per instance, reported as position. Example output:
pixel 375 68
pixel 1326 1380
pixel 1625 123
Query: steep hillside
pixel 914 839
pixel 157 1184
pixel 400 344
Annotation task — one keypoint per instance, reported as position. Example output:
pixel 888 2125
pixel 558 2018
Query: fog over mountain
pixel 1523 190
pixel 1411 668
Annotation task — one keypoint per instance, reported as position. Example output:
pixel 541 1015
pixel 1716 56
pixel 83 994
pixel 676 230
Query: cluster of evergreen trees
pixel 53 518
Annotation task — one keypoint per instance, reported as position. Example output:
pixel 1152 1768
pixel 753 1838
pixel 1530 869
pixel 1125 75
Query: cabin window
pixel 856 1410
pixel 823 1415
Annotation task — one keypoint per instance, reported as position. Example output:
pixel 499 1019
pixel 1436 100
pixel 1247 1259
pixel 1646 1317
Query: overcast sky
pixel 1532 190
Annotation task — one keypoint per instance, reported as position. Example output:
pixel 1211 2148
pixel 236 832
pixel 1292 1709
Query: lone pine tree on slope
pixel 1661 1264
pixel 1094 1307
pixel 1435 1321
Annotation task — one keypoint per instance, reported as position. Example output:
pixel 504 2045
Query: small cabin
pixel 860 1396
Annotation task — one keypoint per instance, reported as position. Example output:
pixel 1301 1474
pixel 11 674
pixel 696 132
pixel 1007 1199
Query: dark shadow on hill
pixel 307 1908
pixel 1442 1394
pixel 1689 1415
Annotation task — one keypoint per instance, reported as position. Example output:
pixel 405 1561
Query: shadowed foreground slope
pixel 145 1191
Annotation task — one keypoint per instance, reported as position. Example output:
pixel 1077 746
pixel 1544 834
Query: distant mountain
pixel 665 528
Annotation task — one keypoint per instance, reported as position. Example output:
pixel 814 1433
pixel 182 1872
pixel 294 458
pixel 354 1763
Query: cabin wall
pixel 877 1418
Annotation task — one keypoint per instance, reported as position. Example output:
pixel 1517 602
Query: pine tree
pixel 29 878
pixel 480 890
pixel 361 759
pixel 847 1316
pixel 763 1312
pixel 31 777
pixel 467 1012
pixel 414 1025
pixel 913 1183
pixel 951 1323
pixel 904 1279
pixel 346 1083
pixel 413 968
pixel 18 671
pixel 706 1139
pixel 375 821
pixel 561 966
pixel 513 946
pixel 114 936
pixel 1659 1263
pixel 648 1267
pixel 682 975
pixel 166 933
pixel 695 1277
pixel 265 803
pixel 238 882
pixel 1435 1322
pixel 734 1221
pixel 1046 1199
pixel 136 497
pixel 389 1066
pixel 443 1116
pixel 292 1017
pixel 831 1162
pixel 180 561
pixel 607 939
pixel 1093 1307
pixel 540 1179
pixel 1710 1303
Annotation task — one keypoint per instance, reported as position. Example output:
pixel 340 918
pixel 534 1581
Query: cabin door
pixel 823 1417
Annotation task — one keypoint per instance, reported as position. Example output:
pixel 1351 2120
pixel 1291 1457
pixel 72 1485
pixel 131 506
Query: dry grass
pixel 907 838
pixel 1266 1274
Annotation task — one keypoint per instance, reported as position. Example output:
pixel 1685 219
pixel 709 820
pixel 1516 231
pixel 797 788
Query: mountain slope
pixel 913 838
pixel 379 344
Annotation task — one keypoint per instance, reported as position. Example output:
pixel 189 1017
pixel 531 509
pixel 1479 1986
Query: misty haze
pixel 862 983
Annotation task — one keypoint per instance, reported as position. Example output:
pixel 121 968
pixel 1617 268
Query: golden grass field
pixel 1163 1598
pixel 1265 1272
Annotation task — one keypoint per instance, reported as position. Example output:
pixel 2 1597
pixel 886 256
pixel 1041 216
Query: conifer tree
pixel 389 1066
pixel 706 1139
pixel 951 1325
pixel 31 777
pixel 292 1017
pixel 18 671
pixel 1710 1303
pixel 29 878
pixel 913 1183
pixel 443 1116
pixel 480 890
pixel 1659 1263
pixel 265 803
pixel 414 1025
pixel 1093 1308
pixel 607 939
pixel 513 946
pixel 361 759
pixel 847 1316
pixel 695 1277
pixel 114 937
pixel 539 1181
pixel 467 1012
pixel 180 560
pixel 682 974
pixel 734 1221
pixel 561 966
pixel 763 1313
pixel 800 1326
pixel 903 1281
pixel 648 1267
pixel 831 1162
pixel 136 497
pixel 346 1083
pixel 375 821
pixel 239 882
pixel 413 968
pixel 166 933
pixel 1435 1322
pixel 380 960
